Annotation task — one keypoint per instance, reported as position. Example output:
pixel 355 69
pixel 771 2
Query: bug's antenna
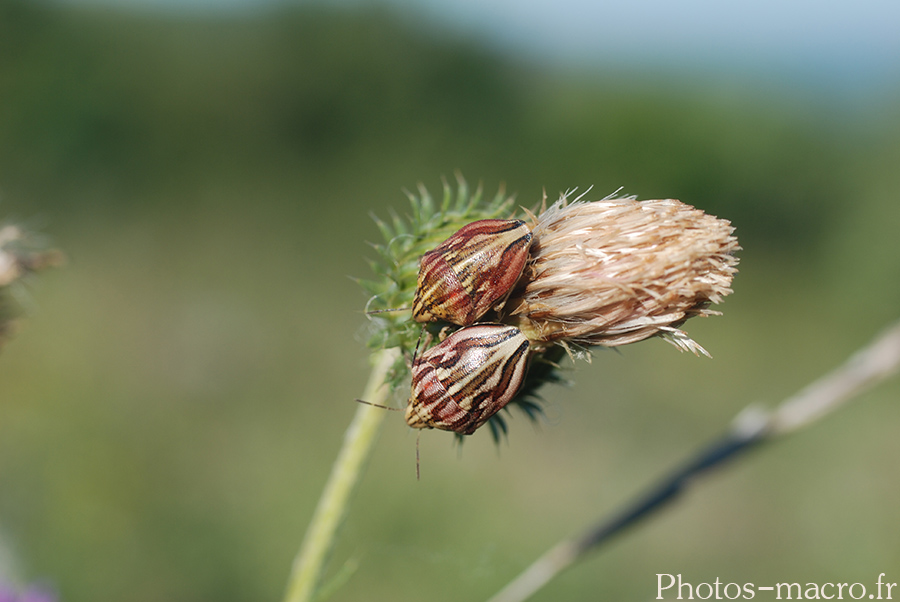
pixel 383 311
pixel 369 312
pixel 378 405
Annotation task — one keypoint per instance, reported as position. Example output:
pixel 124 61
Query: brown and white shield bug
pixel 469 273
pixel 470 376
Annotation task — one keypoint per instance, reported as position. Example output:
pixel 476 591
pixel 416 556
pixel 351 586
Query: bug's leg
pixel 418 435
pixel 419 341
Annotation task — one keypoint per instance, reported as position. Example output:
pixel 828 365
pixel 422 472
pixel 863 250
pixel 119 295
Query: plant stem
pixel 871 365
pixel 568 552
pixel 345 474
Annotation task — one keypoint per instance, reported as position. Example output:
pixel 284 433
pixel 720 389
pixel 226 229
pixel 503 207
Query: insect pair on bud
pixel 604 273
pixel 472 374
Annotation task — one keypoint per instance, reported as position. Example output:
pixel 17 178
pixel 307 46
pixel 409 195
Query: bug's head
pixel 414 419
pixel 439 294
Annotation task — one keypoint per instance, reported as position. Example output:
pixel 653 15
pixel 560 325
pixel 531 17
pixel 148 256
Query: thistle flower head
pixel 619 270
pixel 606 273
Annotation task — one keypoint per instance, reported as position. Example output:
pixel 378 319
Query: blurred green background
pixel 170 411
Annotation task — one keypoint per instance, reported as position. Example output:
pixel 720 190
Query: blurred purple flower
pixel 32 594
pixel 37 594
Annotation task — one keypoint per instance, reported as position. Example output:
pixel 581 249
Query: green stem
pixel 345 474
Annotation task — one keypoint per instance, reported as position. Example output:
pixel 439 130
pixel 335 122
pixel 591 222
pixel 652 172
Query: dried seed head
pixel 618 271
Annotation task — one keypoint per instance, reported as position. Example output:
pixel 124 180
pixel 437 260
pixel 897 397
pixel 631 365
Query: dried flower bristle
pixel 618 271
pixel 20 255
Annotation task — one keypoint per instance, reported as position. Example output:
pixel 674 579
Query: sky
pixel 839 43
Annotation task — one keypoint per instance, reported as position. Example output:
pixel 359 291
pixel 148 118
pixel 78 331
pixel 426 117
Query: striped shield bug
pixel 460 383
pixel 465 276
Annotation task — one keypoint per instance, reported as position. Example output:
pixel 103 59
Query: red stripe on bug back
pixel 489 266
pixel 511 264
